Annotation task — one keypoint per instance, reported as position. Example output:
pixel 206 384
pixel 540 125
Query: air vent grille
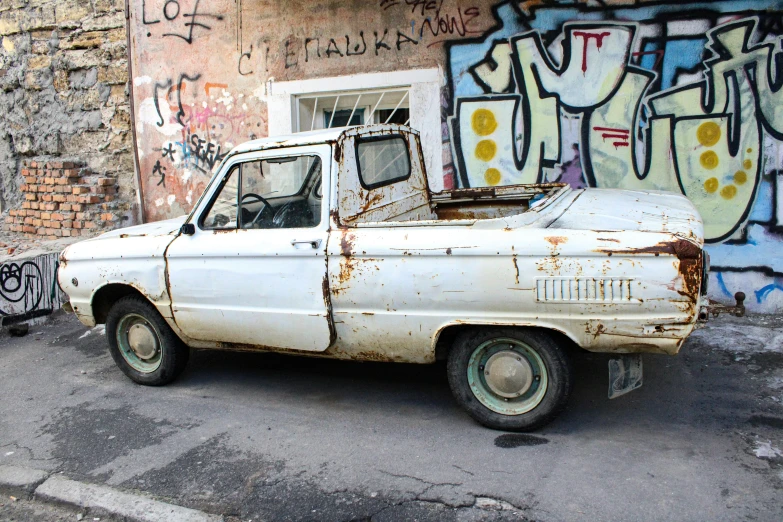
pixel 583 289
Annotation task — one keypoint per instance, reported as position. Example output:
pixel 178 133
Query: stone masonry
pixel 65 130
pixel 63 200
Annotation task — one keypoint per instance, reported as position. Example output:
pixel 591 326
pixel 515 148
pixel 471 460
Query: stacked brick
pixel 64 96
pixel 63 199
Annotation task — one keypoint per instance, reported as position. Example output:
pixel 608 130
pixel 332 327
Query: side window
pixel 269 193
pixel 382 161
pixel 222 214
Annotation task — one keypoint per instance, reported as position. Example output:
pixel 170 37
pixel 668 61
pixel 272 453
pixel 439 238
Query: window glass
pixel 340 118
pixel 383 161
pixel 223 212
pixel 275 193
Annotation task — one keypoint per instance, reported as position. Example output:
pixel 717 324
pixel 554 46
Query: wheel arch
pixel 445 336
pixel 105 296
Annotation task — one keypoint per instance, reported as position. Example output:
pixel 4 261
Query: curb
pixel 26 482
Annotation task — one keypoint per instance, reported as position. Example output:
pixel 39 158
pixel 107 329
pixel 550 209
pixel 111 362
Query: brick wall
pixel 63 199
pixel 64 100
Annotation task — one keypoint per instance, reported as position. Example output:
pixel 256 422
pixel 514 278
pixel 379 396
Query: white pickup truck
pixel 330 243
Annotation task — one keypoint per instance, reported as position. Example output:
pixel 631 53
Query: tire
pixel 163 354
pixel 534 396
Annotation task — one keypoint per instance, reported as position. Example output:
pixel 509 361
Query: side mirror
pixel 188 229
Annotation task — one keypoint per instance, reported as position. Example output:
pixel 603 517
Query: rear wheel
pixel 142 344
pixel 509 379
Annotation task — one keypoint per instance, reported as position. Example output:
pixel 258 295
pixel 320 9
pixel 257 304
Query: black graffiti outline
pixel 193 23
pixel 330 52
pixel 348 51
pixel 245 55
pixel 168 152
pixel 317 47
pixel 160 85
pixel 379 44
pixel 490 61
pixel 32 293
pixel 181 109
pixel 144 15
pixel 288 53
pixel 160 170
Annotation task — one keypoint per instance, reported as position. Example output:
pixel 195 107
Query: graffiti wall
pixel 681 96
pixel 203 71
pixel 29 289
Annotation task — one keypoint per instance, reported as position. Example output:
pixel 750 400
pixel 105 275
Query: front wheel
pixel 509 379
pixel 141 343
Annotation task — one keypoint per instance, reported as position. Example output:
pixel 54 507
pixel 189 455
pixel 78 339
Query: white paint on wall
pixel 425 89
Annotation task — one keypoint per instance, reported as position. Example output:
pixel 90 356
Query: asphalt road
pixel 268 437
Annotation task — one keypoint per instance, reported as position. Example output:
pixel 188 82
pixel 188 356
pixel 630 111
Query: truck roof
pixel 310 137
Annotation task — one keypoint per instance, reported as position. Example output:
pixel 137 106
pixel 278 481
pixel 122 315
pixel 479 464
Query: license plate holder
pixel 625 374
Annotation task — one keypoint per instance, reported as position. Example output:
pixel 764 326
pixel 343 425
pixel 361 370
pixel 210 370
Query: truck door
pixel 253 273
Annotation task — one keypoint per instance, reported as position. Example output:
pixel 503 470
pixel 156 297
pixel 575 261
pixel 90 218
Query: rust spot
pixel 556 240
pixel 346 243
pixel 691 271
pixel 371 200
pixel 448 251
pixel 335 215
pixel 328 302
pixel 681 248
pixel 611 239
pixel 338 151
pixel 373 356
pixel 347 261
pixel 516 267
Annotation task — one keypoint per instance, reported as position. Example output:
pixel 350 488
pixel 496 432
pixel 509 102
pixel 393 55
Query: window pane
pixel 279 192
pixel 401 116
pixel 383 161
pixel 223 212
pixel 341 118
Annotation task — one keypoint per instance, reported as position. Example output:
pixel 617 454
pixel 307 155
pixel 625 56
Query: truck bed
pixel 488 202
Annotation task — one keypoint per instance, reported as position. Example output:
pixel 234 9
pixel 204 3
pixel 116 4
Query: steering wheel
pixel 267 205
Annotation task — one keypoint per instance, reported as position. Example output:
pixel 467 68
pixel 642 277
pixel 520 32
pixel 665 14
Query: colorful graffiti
pixel 682 97
pixel 199 122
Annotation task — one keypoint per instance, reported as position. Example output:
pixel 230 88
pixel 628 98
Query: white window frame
pixel 424 87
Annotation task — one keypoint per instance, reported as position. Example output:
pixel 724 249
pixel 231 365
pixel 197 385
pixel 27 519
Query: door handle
pixel 315 243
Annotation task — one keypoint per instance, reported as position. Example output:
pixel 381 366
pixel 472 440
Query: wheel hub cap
pixel 508 374
pixel 143 341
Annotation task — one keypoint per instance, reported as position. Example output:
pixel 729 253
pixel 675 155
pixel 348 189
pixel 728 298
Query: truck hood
pixel 158 228
pixel 635 210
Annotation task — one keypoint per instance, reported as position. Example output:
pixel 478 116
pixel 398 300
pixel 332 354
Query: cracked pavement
pixel 271 437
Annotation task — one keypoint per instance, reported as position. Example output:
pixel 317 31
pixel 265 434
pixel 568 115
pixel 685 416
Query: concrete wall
pixel 64 97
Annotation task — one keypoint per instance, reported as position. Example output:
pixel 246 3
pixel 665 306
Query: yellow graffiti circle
pixel 750 151
pixel 711 185
pixel 728 192
pixel 747 164
pixel 709 160
pixel 492 177
pixel 740 177
pixel 708 133
pixel 484 122
pixel 486 150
